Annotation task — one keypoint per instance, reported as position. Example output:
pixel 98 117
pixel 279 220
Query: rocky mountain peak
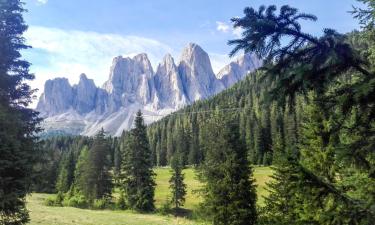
pixel 83 77
pixel 168 85
pixel 133 85
pixel 57 97
pixel 197 74
pixel 168 61
pixel 144 63
pixel 128 81
pixel 237 70
pixel 84 95
pixel 193 53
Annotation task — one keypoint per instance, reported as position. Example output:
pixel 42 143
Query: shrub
pixel 99 204
pixel 121 202
pixel 59 199
pixel 50 201
pixel 78 201
pixel 54 200
pixel 103 203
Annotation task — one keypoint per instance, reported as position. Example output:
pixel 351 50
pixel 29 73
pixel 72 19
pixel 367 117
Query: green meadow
pixel 46 215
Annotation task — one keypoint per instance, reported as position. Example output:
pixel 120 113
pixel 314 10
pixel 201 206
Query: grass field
pixel 45 215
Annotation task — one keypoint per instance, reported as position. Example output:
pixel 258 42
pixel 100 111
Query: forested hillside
pixel 265 127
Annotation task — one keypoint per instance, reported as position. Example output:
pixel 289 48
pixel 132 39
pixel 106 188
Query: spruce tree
pixel 66 172
pixel 137 176
pixel 81 184
pixel 99 178
pixel 18 123
pixel 92 174
pixel 229 192
pixel 282 203
pixel 176 182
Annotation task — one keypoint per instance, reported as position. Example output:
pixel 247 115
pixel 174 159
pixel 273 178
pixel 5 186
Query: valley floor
pixel 45 215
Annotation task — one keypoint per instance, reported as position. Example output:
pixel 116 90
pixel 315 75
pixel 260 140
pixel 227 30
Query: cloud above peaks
pixel 222 26
pixel 228 28
pixel 68 53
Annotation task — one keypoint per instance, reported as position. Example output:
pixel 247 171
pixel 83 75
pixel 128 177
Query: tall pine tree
pixel 137 176
pixel 18 123
pixel 229 196
pixel 99 178
pixel 177 185
pixel 66 172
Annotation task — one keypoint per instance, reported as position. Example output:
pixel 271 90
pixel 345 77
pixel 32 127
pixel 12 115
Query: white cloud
pixel 42 1
pixel 222 26
pixel 225 28
pixel 62 53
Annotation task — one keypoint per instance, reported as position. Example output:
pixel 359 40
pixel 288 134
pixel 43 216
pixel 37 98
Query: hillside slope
pixel 263 126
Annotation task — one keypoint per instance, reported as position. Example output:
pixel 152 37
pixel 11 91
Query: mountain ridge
pixel 133 85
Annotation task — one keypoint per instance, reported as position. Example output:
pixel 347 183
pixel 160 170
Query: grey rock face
pixel 129 81
pixel 238 69
pixel 57 97
pixel 101 101
pixel 198 78
pixel 168 85
pixel 84 95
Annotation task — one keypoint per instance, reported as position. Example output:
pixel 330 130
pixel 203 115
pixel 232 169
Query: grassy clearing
pixel 162 191
pixel 45 215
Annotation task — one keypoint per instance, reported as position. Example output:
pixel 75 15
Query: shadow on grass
pixel 181 212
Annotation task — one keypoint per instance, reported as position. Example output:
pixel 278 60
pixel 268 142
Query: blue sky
pixel 82 36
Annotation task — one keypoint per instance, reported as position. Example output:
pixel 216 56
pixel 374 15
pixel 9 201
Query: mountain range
pixel 133 85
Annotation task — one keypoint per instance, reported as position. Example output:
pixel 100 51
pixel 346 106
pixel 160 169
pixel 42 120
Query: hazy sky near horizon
pixel 70 37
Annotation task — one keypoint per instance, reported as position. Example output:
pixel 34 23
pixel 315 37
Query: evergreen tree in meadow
pixel 81 184
pixel 18 123
pixel 99 178
pixel 229 196
pixel 137 176
pixel 92 177
pixel 176 182
pixel 282 201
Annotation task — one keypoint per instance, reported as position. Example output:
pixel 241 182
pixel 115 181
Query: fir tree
pixel 18 123
pixel 99 179
pixel 66 175
pixel 177 185
pixel 137 176
pixel 81 184
pixel 229 192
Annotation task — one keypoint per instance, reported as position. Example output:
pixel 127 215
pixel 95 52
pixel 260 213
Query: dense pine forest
pixel 309 112
pixel 266 128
